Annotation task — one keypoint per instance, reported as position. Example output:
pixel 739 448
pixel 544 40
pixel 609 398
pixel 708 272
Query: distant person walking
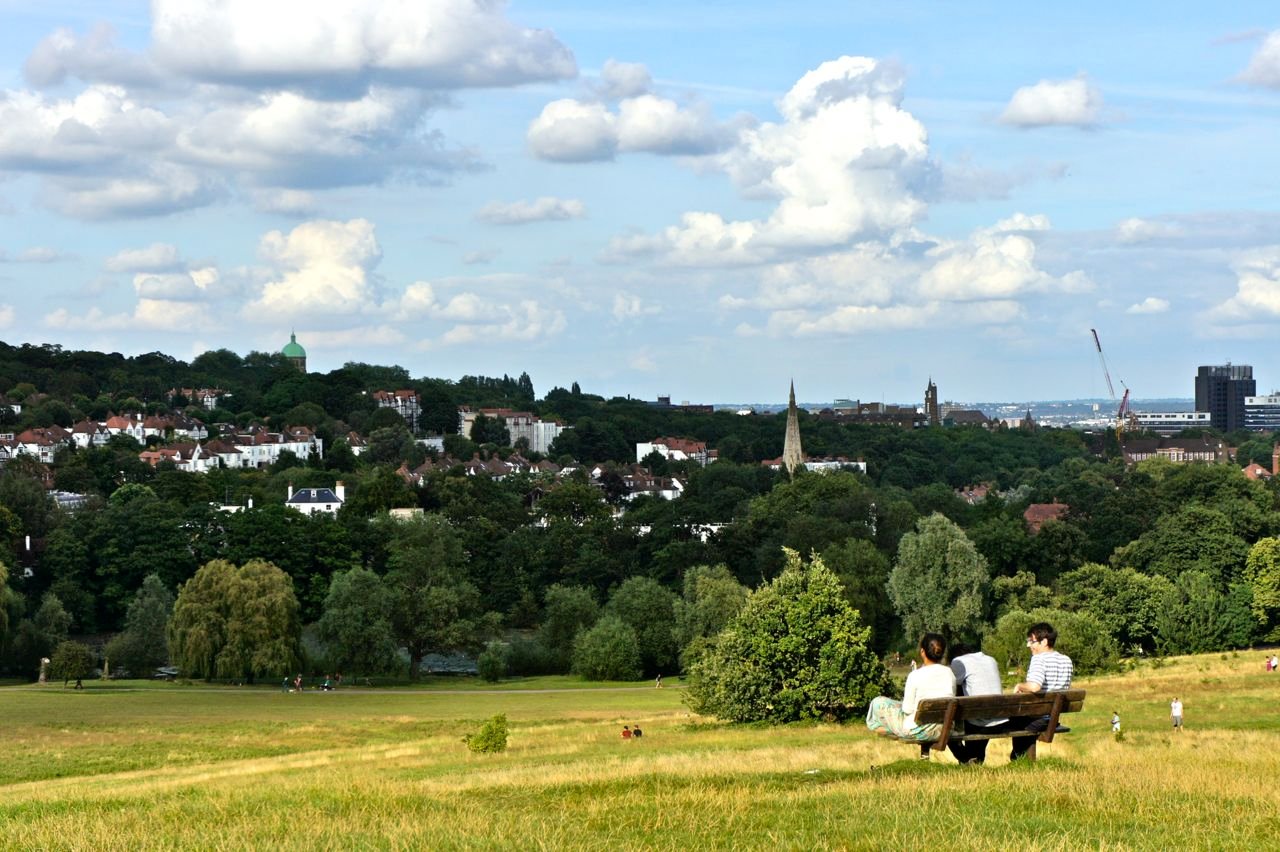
pixel 1275 662
pixel 1175 713
pixel 1115 721
pixel 658 683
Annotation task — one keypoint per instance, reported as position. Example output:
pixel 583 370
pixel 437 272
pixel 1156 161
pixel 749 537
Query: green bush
pixel 491 738
pixel 797 650
pixel 607 651
pixel 1080 636
pixel 492 662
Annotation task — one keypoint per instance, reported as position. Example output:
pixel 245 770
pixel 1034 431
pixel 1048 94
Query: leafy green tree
pixel 864 573
pixel 490 430
pixel 235 622
pixel 1193 539
pixel 568 610
pixel 434 607
pixel 939 581
pixel 491 665
pixel 609 650
pixel 356 625
pixel 649 609
pixel 573 502
pixel 1003 541
pixel 1057 548
pixel 712 597
pixel 71 661
pixel 1019 592
pixel 38 635
pixel 797 650
pixel 9 600
pixel 1196 616
pixel 1262 574
pixel 143 646
pixel 1126 602
pixel 389 445
pixel 1080 637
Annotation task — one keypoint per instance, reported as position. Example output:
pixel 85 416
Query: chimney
pixel 341 490
pixel 250 503
pixel 290 497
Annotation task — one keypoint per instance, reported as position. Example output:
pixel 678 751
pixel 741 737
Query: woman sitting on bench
pixel 893 718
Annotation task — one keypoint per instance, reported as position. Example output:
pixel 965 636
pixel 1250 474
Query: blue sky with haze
pixel 702 200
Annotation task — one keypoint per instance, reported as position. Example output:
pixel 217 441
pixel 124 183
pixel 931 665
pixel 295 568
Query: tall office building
pixel 1221 391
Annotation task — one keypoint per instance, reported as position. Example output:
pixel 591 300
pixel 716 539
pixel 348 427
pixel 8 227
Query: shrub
pixel 492 662
pixel 71 661
pixel 527 656
pixel 491 738
pixel 1080 636
pixel 608 651
pixel 797 650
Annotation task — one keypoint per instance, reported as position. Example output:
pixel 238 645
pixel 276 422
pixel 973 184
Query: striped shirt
pixel 1050 671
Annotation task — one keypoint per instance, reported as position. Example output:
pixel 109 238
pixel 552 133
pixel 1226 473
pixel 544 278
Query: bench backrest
pixel 934 710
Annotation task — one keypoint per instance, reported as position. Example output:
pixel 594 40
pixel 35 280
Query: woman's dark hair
pixel 934 646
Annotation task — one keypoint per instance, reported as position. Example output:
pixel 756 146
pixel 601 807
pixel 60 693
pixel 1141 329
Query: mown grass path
pixel 225 768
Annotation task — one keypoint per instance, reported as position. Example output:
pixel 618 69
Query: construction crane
pixel 1124 417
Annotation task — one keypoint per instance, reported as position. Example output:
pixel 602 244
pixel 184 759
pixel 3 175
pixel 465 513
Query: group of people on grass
pixel 330 683
pixel 1273 663
pixel 971 672
pixel 632 732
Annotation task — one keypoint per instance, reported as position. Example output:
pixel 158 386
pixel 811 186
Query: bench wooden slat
pixel 934 710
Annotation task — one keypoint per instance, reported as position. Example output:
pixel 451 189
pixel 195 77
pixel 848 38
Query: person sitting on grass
pixel 931 679
pixel 626 732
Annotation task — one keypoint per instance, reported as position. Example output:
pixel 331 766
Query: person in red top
pixel 626 732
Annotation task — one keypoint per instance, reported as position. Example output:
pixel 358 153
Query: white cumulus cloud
pixel 1135 230
pixel 340 45
pixel 319 268
pixel 1070 103
pixel 1149 305
pixel 1257 296
pixel 1264 67
pixel 157 257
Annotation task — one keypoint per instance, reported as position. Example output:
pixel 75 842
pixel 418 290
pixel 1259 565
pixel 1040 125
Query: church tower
pixel 792 453
pixel 931 404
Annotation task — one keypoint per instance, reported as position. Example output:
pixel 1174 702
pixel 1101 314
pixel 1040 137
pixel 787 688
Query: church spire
pixel 792 453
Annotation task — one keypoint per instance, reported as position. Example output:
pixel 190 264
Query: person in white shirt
pixel 932 679
pixel 1175 712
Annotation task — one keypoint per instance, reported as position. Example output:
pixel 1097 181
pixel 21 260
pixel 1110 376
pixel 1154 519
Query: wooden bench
pixel 948 711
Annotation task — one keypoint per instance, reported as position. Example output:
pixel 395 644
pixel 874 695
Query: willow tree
pixel 234 622
pixel 940 581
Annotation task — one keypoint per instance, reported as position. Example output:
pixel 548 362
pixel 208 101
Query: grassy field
pixel 165 766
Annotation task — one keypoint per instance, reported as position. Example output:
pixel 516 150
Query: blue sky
pixel 701 200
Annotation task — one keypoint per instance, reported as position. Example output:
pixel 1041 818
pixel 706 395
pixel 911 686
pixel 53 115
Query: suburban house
pixel 309 501
pixel 402 402
pixel 203 397
pixel 126 424
pixel 1037 513
pixel 677 449
pixel 89 433
pixel 537 433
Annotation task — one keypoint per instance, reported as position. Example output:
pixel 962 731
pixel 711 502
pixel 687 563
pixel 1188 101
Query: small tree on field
pixel 71 661
pixel 607 651
pixel 797 650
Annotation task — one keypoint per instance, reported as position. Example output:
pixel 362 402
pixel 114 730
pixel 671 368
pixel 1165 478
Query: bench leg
pixel 924 750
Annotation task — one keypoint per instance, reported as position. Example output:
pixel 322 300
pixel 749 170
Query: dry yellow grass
pixel 569 781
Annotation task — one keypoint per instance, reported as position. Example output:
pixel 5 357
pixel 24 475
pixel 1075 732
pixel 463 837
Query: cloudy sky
pixel 702 200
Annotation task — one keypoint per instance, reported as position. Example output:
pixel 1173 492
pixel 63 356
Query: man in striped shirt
pixel 1048 671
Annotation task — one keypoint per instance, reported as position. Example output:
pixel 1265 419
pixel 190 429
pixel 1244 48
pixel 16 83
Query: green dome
pixel 292 349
